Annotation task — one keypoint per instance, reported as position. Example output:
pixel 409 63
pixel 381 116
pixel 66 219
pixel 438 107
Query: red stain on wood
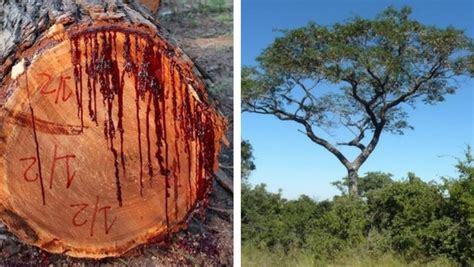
pixel 181 121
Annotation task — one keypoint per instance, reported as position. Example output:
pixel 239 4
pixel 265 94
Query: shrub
pixel 412 220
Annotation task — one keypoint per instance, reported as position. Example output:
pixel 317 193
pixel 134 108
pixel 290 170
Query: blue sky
pixel 288 160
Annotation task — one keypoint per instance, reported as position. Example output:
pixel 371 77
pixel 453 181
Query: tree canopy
pixel 246 162
pixel 380 66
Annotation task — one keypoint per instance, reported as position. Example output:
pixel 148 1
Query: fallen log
pixel 107 136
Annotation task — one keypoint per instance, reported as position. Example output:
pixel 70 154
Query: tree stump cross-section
pixel 108 140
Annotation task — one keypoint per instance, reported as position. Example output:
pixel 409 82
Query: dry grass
pixel 253 257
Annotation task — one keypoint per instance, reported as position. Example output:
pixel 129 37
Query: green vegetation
pixel 393 223
pixel 254 257
pixel 205 5
pixel 218 4
pixel 224 17
pixel 246 162
pixel 377 68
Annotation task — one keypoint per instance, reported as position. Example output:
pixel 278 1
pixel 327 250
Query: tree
pixel 247 164
pixel 379 67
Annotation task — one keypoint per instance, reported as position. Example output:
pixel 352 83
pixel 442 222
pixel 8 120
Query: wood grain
pixel 102 151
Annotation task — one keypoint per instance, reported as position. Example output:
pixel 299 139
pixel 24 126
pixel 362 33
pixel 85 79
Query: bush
pixel 261 217
pixel 414 221
pixel 404 210
pixel 339 228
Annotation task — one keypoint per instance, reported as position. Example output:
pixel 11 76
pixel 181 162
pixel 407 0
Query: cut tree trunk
pixel 107 136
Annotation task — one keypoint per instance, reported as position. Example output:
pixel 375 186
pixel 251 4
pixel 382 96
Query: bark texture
pixel 352 178
pixel 25 22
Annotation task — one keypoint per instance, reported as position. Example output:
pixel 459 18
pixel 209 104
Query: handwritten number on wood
pixel 25 174
pixel 84 209
pixel 57 158
pixel 45 87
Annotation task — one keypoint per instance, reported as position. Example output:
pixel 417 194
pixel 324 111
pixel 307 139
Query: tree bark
pixel 108 138
pixel 352 178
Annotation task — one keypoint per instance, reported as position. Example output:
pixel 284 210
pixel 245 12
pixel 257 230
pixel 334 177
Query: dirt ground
pixel 207 39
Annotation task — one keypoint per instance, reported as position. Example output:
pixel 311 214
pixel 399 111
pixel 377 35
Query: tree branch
pixel 326 145
pixel 362 126
pixel 359 99
pixel 285 116
pixel 432 73
pixel 353 143
pixel 371 146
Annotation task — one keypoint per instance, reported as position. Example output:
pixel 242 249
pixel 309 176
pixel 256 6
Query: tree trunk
pixel 107 136
pixel 352 178
pixel 152 5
